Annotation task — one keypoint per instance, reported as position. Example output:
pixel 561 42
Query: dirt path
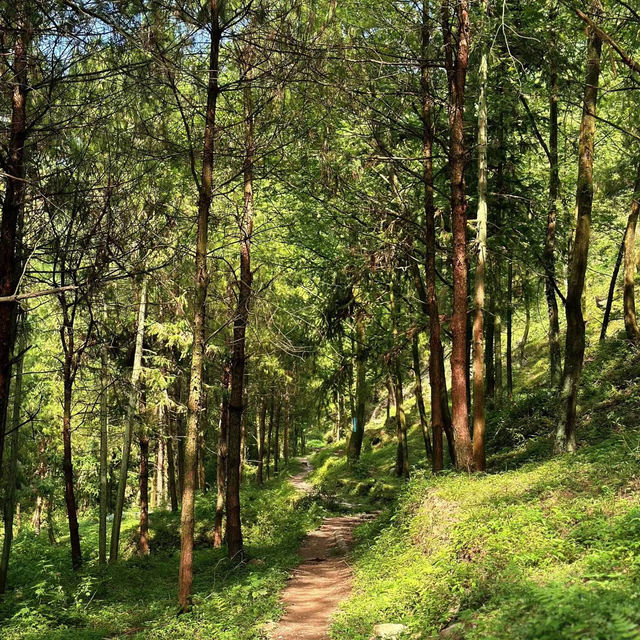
pixel 323 579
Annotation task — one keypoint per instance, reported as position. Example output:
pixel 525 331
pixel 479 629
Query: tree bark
pixel 509 328
pixel 13 207
pixel 201 282
pixel 612 289
pixel 456 62
pixel 67 465
pixel 555 357
pixel 287 420
pixel 497 348
pixel 630 321
pixel 14 442
pixel 104 426
pixel 132 413
pixel 236 402
pixel 424 423
pixel 575 338
pixel 272 408
pixel 440 417
pixel 276 446
pixel 223 450
pixel 143 532
pixel 262 423
pixel 171 471
pixel 479 411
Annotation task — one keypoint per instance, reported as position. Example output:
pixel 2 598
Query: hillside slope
pixel 540 548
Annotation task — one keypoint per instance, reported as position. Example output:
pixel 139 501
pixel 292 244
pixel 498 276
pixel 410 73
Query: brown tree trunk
pixel 440 418
pixel 67 465
pixel 525 334
pixel 456 61
pixel 276 446
pixel 612 289
pixel 236 401
pixel 221 464
pixel 272 408
pixel 479 413
pixel 630 321
pixel 497 340
pixel 555 357
pixel 287 421
pixel 201 281
pixel 509 328
pixel 262 423
pixel 143 532
pixel 424 423
pixel 575 338
pixel 104 426
pixel 13 168
pixel 9 502
pixel 490 372
pixel 171 471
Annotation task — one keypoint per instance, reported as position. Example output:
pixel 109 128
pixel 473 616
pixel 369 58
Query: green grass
pixel 137 597
pixel 540 548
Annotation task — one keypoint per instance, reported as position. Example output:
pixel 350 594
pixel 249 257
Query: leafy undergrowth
pixel 540 548
pixel 137 597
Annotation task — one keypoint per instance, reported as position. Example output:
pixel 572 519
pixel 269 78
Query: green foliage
pixel 548 550
pixel 137 597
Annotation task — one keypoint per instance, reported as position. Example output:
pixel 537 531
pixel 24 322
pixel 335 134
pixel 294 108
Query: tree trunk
pixel 262 423
pixel 12 206
pixel 525 334
pixel 276 447
pixel 272 408
pixel 201 282
pixel 456 63
pixel 575 338
pixel 104 426
pixel 132 414
pixel 143 532
pixel 555 357
pixel 510 329
pixel 424 423
pixel 171 471
pixel 630 321
pixel 497 339
pixel 12 471
pixel 354 446
pixel 223 449
pixel 236 403
pixel 287 421
pixel 612 290
pixel 490 363
pixel 67 465
pixel 440 418
pixel 479 413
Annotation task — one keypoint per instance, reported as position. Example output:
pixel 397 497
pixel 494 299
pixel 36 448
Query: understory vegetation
pixel 136 598
pixel 539 547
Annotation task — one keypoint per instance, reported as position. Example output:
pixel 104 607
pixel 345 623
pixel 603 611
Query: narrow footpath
pixel 324 578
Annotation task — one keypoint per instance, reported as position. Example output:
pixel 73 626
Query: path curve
pixel 324 578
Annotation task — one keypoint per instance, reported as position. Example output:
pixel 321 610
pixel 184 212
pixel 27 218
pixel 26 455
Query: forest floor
pixel 323 580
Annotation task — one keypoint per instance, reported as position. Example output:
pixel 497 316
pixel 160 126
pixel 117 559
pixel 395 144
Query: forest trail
pixel 324 578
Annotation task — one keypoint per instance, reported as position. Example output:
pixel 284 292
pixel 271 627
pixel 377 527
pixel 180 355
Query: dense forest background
pixel 237 232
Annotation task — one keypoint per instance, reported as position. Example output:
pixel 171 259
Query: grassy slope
pixel 137 597
pixel 541 547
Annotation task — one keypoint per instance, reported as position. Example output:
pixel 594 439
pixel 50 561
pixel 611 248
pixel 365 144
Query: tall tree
pixel 456 63
pixel 201 281
pixel 575 338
